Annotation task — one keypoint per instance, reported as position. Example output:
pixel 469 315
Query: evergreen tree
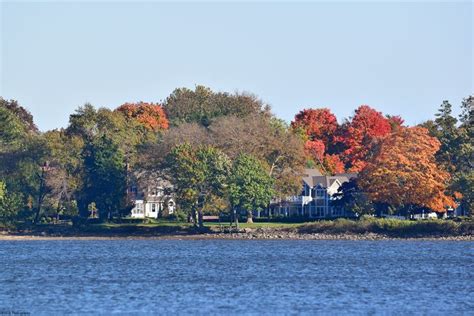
pixel 104 179
pixel 446 131
pixel 464 168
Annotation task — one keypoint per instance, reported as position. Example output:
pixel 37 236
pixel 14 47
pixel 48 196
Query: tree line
pixel 226 152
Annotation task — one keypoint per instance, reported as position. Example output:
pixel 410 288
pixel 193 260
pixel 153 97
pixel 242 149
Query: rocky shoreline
pixel 243 234
pixel 272 234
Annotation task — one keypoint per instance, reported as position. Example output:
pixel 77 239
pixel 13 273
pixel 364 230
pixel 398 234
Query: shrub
pixel 391 227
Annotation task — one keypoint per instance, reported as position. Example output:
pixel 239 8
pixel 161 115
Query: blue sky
pixel 401 58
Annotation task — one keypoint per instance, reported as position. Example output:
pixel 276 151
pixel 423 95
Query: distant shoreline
pixel 238 236
pixel 343 229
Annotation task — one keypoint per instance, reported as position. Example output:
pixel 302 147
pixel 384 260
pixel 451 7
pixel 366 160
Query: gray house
pixel 315 200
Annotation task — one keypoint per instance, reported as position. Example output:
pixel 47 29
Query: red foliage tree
pixel 150 115
pixel 319 124
pixel 358 136
pixel 315 150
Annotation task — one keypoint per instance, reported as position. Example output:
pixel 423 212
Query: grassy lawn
pixel 256 225
pixel 390 227
pixel 162 223
pixel 151 224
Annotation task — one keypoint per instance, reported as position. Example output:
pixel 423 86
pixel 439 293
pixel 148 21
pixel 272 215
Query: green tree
pixel 463 181
pixel 23 115
pixel 12 131
pixel 447 134
pixel 203 105
pixel 104 179
pixel 10 205
pixel 198 174
pixel 267 139
pixel 250 185
pixel 23 154
pixel 351 198
pixel 64 177
pixel 2 190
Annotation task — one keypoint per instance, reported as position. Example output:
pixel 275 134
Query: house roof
pixel 314 177
pixel 309 175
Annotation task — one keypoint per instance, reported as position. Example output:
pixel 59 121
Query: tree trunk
pixel 195 217
pixel 190 218
pixel 40 199
pixel 200 219
pixel 249 217
pixel 58 209
pixel 235 218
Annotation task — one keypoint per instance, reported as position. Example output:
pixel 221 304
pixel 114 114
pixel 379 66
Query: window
pixel 153 208
pixel 170 207
pixel 320 192
pixel 139 208
pixel 156 192
pixel 319 211
pixel 320 202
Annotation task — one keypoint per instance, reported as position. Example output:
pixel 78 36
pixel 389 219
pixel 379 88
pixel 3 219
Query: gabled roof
pixel 314 177
pixel 309 175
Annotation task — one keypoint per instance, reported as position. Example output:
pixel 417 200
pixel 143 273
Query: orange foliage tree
pixel 403 171
pixel 333 164
pixel 149 115
pixel 358 135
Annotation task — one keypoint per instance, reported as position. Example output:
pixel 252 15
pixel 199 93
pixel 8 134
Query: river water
pixel 236 277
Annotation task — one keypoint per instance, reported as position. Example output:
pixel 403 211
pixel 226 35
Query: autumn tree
pixel 360 133
pixel 90 125
pixel 250 186
pixel 149 115
pixel 318 124
pixel 267 139
pixel 333 164
pixel 403 172
pixel 319 129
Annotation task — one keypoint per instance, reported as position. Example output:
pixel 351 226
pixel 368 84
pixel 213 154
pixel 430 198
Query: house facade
pixel 152 199
pixel 315 201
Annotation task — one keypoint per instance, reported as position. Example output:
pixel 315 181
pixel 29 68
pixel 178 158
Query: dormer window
pixel 156 192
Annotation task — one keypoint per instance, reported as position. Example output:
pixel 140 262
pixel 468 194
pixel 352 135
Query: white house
pixel 152 199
